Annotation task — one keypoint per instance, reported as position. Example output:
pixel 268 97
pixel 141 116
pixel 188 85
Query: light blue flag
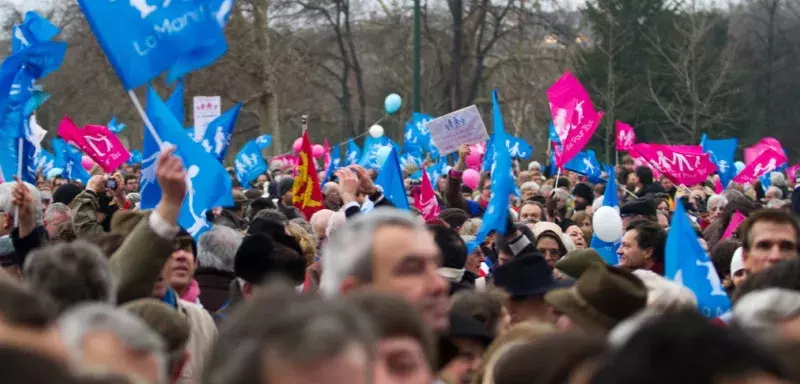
pixel 59 148
pixel 552 134
pixel 517 148
pixel 390 178
pixel 136 157
pixel 115 125
pixel 722 152
pixel 688 264
pixel 218 134
pixel 336 163
pixel 209 185
pixel 34 29
pixel 608 250
pixel 264 141
pixel 369 156
pixel 434 171
pixel 496 215
pixel 249 163
pixel 585 163
pixel 44 161
pixel 73 168
pixel 142 39
pixel 353 152
pixel 411 160
pixel 175 102
pixel 200 58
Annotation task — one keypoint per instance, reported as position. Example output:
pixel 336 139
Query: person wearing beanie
pixel 283 198
pixel 66 193
pixel 584 196
pixel 170 325
pixel 738 271
pixel 233 217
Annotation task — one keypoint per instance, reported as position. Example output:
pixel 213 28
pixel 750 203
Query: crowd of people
pixel 95 290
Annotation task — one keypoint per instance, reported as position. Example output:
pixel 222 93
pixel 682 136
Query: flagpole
pixel 305 123
pixel 558 176
pixel 19 177
pixel 146 119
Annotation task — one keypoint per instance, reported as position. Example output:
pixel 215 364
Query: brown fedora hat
pixel 573 264
pixel 601 299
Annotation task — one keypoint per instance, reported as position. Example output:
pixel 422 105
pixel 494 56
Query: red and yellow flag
pixel 306 193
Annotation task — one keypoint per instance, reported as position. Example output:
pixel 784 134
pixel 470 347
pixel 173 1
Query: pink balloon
pixel 298 145
pixel 471 178
pixel 474 159
pixel 87 162
pixel 318 151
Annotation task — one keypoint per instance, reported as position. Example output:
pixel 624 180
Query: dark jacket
pixel 231 220
pixel 24 246
pixel 214 287
pixel 650 189
pixel 796 201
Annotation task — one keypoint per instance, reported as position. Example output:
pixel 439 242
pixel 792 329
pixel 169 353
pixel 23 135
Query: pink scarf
pixel 192 292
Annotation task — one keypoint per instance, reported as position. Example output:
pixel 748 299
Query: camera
pixel 111 184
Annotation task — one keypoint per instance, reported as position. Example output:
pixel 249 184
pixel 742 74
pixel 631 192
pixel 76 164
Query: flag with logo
pixel 390 178
pixel 767 161
pixel 425 199
pixel 249 163
pixel 116 126
pixel 353 152
pixel 136 157
pixel 574 116
pixel 175 102
pixel 306 192
pixel 218 134
pixel 683 165
pixel 68 158
pixel 97 142
pixel 722 152
pixel 585 163
pixel 336 163
pixel 608 250
pixel 626 137
pixel 33 30
pixel 687 263
pixel 143 39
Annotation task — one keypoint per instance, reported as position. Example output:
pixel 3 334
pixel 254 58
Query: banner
pixel 97 142
pixel 464 126
pixel 680 165
pixel 206 109
pixel 574 116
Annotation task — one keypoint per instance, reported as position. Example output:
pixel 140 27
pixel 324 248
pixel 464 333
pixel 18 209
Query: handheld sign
pixel 464 126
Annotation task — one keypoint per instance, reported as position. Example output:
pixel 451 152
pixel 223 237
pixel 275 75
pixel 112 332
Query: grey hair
pixel 278 326
pixel 534 165
pixel 217 248
pixel 777 179
pixel 71 273
pixel 664 295
pixel 56 209
pixel 77 323
pixel 716 199
pixel 326 189
pixel 759 313
pixel 8 207
pixel 774 191
pixel 348 251
pixel 529 185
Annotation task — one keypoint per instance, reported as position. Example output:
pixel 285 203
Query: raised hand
pixel 171 176
pixel 97 184
pixel 21 198
pixel 367 187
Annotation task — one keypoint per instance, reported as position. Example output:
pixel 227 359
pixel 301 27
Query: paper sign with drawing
pixel 464 126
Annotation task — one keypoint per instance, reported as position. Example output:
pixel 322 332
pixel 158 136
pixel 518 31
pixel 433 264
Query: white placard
pixel 464 126
pixel 206 109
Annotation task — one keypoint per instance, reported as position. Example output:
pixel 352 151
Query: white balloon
pixel 607 224
pixel 376 131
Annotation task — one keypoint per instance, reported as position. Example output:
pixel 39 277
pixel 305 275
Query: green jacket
pixel 84 215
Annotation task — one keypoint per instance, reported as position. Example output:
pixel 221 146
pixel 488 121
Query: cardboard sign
pixel 464 126
pixel 206 109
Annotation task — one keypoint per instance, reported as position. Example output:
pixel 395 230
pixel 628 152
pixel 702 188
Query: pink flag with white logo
pixel 718 188
pixel 679 165
pixel 736 220
pixel 790 171
pixel 574 116
pixel 768 161
pixel 97 142
pixel 425 199
pixel 625 136
pixel 752 153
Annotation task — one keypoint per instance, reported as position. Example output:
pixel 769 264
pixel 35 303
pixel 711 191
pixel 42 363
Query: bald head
pixel 319 221
pixel 330 187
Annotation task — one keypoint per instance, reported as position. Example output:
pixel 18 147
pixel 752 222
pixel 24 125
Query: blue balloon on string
pixel 393 103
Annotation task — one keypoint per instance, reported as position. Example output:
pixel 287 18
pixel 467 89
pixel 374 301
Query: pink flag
pixel 327 153
pixel 766 162
pixel 626 137
pixel 574 116
pixel 737 219
pixel 97 142
pixel 425 199
pixel 679 165
pixel 790 171
pixel 752 153
pixel 718 188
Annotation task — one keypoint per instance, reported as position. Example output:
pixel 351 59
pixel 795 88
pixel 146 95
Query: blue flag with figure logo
pixel 687 263
pixel 608 250
pixel 249 163
pixel 218 134
pixel 517 149
pixel 390 178
pixel 68 158
pixel 585 163
pixel 336 163
pixel 353 153
pixel 136 157
pixel 552 135
pixel 722 153
pixel 175 102
pixel 34 29
pixel 142 38
pixel 264 141
pixel 417 137
pixel 44 161
pixel 208 183
pixel 115 125
pixel 496 215
pixel 369 156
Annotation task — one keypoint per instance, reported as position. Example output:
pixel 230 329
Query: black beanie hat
pixel 66 193
pixel 585 191
pixel 261 256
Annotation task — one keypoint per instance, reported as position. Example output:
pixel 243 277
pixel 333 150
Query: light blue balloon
pixel 393 103
pixel 739 166
pixel 382 154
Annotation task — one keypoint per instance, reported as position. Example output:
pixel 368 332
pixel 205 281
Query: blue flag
pixel 44 161
pixel 416 137
pixel 353 152
pixel 209 185
pixel 517 149
pixel 264 141
pixel 390 178
pixel 722 153
pixel 585 163
pixel 496 215
pixel 688 264
pixel 218 134
pixel 34 29
pixel 136 157
pixel 142 40
pixel 369 156
pixel 552 135
pixel 336 163
pixel 115 125
pixel 249 163
pixel 608 250
pixel 68 158
pixel 175 103
pixel 435 172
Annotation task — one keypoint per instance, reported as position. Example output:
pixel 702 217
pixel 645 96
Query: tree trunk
pixel 269 117
pixel 457 10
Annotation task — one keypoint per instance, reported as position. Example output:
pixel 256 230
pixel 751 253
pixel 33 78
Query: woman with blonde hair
pixel 307 241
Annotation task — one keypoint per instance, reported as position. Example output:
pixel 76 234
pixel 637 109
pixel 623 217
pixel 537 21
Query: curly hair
pixel 308 242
